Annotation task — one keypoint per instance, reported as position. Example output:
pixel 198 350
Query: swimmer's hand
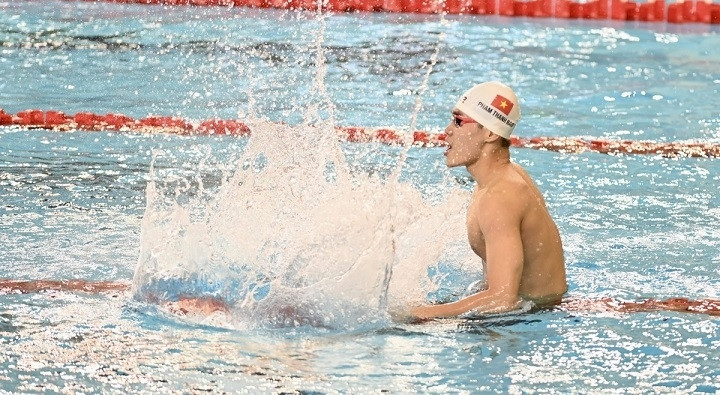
pixel 405 315
pixel 423 312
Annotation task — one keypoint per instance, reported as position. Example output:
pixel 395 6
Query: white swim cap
pixel 493 105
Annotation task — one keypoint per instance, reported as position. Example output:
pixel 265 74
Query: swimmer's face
pixel 464 138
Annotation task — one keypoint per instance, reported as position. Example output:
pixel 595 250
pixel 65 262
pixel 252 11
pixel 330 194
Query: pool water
pixel 76 204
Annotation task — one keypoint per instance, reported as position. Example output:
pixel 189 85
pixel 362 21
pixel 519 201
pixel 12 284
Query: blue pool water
pixel 634 227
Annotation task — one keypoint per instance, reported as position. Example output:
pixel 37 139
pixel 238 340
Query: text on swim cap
pixel 497 114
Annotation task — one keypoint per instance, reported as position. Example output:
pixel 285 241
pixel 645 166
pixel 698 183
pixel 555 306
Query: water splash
pixel 293 237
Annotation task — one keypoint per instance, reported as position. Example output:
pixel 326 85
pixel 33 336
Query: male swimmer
pixel 508 225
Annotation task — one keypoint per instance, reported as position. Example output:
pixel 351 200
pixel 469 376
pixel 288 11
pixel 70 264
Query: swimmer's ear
pixel 492 137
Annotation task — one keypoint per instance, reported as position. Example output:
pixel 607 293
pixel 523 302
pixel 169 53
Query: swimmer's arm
pixel 501 227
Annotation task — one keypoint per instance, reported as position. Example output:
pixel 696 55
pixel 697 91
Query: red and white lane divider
pixel 87 121
pixel 681 11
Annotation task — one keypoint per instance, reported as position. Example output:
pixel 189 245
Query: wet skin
pixel 508 227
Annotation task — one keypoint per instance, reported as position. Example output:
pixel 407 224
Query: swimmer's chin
pixel 450 163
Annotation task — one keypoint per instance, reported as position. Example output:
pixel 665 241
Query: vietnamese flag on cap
pixel 502 104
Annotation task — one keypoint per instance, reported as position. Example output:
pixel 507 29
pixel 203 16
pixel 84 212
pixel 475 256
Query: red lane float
pixel 682 11
pixel 87 121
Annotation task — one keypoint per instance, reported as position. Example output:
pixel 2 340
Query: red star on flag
pixel 502 104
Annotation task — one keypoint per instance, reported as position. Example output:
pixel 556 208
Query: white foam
pixel 288 242
pixel 294 238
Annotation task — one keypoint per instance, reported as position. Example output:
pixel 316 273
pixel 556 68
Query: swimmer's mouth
pixel 447 149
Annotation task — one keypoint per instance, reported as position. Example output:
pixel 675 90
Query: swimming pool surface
pixel 75 204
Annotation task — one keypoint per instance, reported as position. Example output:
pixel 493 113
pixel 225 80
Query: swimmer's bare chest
pixel 476 239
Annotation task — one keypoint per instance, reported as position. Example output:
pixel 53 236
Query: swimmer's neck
pixel 493 162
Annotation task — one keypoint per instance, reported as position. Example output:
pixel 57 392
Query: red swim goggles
pixel 460 120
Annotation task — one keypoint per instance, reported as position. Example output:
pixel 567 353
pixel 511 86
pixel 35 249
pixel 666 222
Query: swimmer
pixel 508 224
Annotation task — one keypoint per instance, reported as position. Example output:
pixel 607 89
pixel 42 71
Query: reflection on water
pixel 120 348
pixel 72 203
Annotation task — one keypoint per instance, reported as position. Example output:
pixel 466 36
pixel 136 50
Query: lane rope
pixel 153 124
pixel 681 11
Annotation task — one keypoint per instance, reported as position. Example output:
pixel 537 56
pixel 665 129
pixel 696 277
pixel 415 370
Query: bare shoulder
pixel 530 190
pixel 520 171
pixel 523 174
pixel 512 188
pixel 503 202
